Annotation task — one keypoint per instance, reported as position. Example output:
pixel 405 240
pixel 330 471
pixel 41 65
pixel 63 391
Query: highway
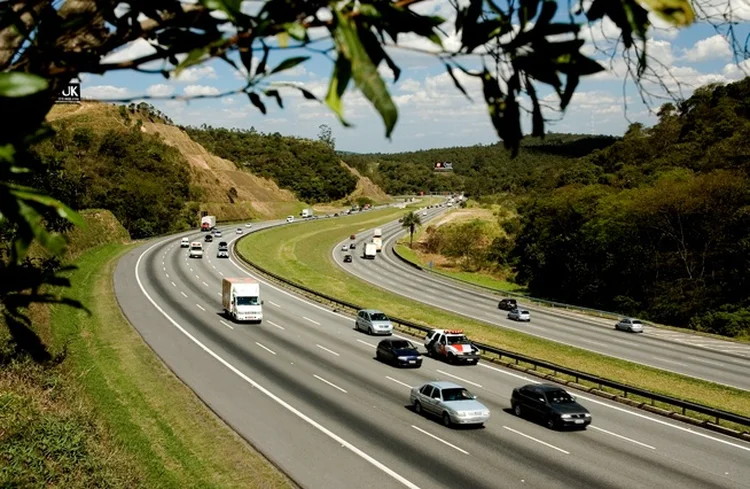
pixel 305 389
pixel 667 350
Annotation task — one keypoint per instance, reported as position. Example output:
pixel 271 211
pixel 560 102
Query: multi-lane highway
pixel 668 351
pixel 304 388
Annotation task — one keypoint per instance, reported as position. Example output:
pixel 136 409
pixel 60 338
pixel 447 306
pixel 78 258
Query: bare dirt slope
pixel 366 188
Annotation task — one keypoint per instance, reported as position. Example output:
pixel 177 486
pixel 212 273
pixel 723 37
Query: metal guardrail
pixel 685 407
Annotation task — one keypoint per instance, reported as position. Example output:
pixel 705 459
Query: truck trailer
pixel 369 251
pixel 306 213
pixel 241 299
pixel 208 223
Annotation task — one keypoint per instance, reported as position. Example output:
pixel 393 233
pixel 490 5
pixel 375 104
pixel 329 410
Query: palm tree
pixel 410 222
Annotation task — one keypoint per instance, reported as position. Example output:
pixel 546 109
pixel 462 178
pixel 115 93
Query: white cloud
pixel 409 85
pixel 133 50
pixel 193 74
pixel 103 92
pixel 227 101
pixel 714 48
pixel 733 71
pixel 159 90
pixel 193 90
pixel 722 10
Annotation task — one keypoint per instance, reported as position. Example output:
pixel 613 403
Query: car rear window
pixel 401 344
pixel 378 316
pixel 635 321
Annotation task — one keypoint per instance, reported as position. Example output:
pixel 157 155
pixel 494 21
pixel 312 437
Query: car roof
pixel 371 311
pixel 548 387
pixel 442 384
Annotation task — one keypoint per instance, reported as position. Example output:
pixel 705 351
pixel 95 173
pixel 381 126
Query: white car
pixel 345 247
pixel 239 230
pixel 185 243
pixel 248 225
pixel 289 218
pixel 519 315
pixel 630 324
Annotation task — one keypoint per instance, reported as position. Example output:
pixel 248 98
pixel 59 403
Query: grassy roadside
pixel 303 253
pixel 112 414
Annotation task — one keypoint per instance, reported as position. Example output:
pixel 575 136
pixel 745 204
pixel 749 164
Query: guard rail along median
pixel 497 355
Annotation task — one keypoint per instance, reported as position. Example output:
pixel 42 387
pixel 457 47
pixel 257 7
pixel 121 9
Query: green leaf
pixel 256 101
pixel 261 68
pixel 527 11
pixel 342 73
pixel 55 243
pixel 364 72
pixel 677 12
pixel 33 195
pixel 231 7
pixel 537 120
pixel 289 63
pixel 296 31
pixel 194 57
pixel 571 83
pixel 275 94
pixel 19 84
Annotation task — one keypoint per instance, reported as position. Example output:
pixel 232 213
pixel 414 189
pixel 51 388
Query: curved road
pixel 304 387
pixel 663 349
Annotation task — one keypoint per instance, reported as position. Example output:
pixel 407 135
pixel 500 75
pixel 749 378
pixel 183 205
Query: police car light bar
pixel 454 331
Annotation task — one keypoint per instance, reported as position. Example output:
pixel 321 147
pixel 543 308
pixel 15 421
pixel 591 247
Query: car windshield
pixel 453 340
pixel 378 316
pixel 248 301
pixel 400 344
pixel 457 394
pixel 559 397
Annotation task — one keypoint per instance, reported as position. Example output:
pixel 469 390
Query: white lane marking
pixel 266 348
pixel 366 343
pixel 671 361
pixel 183 293
pixel 326 349
pixel 274 324
pixel 273 303
pixel 330 383
pixel 174 284
pixel 221 274
pixel 509 373
pixel 204 283
pixel 219 293
pixel 191 269
pixel 398 382
pixel 459 378
pixel 200 307
pixel 197 277
pixel 214 266
pixel 311 320
pixel 709 362
pixel 226 324
pixel 537 440
pixel 599 343
pixel 270 394
pixel 164 268
pixel 620 436
pixel 440 440
pixel 167 275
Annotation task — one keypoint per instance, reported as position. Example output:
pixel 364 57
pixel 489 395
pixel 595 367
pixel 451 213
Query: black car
pixel 209 238
pixel 399 352
pixel 347 258
pixel 352 246
pixel 223 245
pixel 507 304
pixel 551 404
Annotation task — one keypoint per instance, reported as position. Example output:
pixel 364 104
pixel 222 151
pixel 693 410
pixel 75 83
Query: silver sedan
pixel 451 402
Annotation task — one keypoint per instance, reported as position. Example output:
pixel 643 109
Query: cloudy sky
pixel 432 113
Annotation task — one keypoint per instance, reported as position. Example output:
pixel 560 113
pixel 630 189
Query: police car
pixel 452 345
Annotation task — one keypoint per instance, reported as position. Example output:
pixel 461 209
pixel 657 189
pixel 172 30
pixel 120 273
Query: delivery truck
pixel 377 233
pixel 369 251
pixel 378 242
pixel 306 213
pixel 241 299
pixel 208 223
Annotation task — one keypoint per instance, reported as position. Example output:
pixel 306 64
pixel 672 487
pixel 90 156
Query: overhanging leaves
pixel 342 73
pixel 289 63
pixel 18 84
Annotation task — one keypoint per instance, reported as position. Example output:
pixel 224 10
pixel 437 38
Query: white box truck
pixel 370 251
pixel 378 242
pixel 377 233
pixel 241 299
pixel 208 223
pixel 307 213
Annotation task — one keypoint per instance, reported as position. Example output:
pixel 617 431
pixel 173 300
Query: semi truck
pixel 241 299
pixel 369 251
pixel 306 213
pixel 208 223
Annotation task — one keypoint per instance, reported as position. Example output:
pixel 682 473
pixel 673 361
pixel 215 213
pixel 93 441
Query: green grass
pixel 112 414
pixel 302 253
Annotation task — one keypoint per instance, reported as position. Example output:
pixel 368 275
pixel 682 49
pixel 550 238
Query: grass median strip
pixel 302 253
pixel 120 417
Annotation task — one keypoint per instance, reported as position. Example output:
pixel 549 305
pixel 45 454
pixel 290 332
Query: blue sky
pixel 432 113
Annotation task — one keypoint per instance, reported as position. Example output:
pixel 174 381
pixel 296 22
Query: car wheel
pixel 417 407
pixel 369 331
pixel 446 419
pixel 551 423
pixel 378 355
pixel 518 410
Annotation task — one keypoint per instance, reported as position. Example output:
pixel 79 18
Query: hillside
pixel 366 187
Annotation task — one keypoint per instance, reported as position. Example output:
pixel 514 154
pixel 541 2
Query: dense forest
pixel 310 169
pixel 481 169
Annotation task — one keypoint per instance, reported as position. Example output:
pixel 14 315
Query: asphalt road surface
pixel 304 387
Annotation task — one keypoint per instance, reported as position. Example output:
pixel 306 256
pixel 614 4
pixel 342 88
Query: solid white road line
pixel 398 382
pixel 200 307
pixel 226 324
pixel 330 383
pixel 214 266
pixel 183 293
pixel 191 269
pixel 174 284
pixel 326 349
pixel 459 378
pixel 537 440
pixel 366 343
pixel 270 394
pixel 622 437
pixel 164 268
pixel 274 324
pixel 266 348
pixel 311 320
pixel 440 440
pixel 273 303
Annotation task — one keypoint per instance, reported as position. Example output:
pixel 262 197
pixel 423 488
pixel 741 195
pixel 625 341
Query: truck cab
pixel 241 299
pixel 196 250
pixel 452 345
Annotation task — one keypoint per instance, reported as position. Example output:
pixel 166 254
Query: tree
pixel 411 222
pixel 326 136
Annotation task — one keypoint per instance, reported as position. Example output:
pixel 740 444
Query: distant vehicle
pixel 217 233
pixel 378 242
pixel 241 299
pixel 239 231
pixel 344 247
pixel 370 251
pixel 551 404
pixel 399 353
pixel 208 238
pixel 347 258
pixel 208 223
pixel 507 304
pixel 185 243
pixel 289 218
pixel 248 225
pixel 424 213
pixel 451 402
pixel 222 253
pixel 630 324
pixel 400 219
pixel 353 236
pixel 519 315
pixel 352 246
pixel 196 250
pixel 452 345
pixel 306 213
pixel 373 322
pixel 223 245
pixel 377 233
